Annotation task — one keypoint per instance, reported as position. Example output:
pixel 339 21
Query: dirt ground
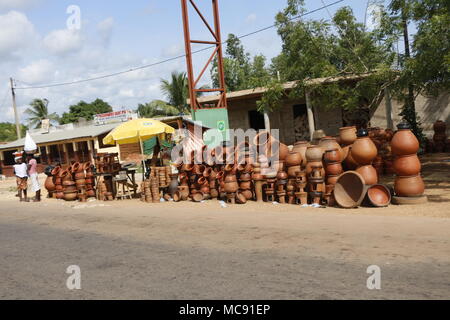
pixel 133 250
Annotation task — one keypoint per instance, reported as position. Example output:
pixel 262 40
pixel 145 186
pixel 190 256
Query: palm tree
pixel 39 112
pixel 176 91
pixel 156 108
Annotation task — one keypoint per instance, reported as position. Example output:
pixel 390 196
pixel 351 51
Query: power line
pixel 169 59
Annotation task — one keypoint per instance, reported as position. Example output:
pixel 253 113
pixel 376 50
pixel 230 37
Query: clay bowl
pixel 350 190
pixel 378 195
pixel 240 198
pixel 197 197
pixel 70 196
pixel 347 135
pixel 408 165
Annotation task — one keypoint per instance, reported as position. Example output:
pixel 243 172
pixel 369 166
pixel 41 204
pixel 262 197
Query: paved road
pixel 166 254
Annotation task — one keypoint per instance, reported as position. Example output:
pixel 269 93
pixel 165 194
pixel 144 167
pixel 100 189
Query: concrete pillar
pixel 309 109
pixel 49 155
pixel 75 151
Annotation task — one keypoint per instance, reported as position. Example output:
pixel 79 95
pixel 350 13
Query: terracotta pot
pixel 198 197
pixel 350 190
pixel 49 184
pixel 440 126
pixel 292 171
pixel 293 159
pixel 330 143
pixel 379 195
pixel 282 175
pixel 70 189
pixel 404 141
pixel 412 186
pixel 312 164
pixel 407 165
pixel 76 167
pixel 314 153
pixel 279 150
pixel 334 168
pixel 56 171
pixel 363 150
pixel 68 183
pixel 347 135
pixel 231 184
pixel 90 193
pixel 87 166
pixel 240 198
pixel 332 156
pixel 59 188
pixel 245 177
pixel 301 148
pixel 79 175
pixel 59 195
pixel 80 182
pixel 246 185
pixel 350 163
pixel 332 179
pixel 369 174
pixel 248 194
pixel 70 196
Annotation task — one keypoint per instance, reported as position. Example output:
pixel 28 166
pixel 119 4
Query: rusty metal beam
pixel 217 53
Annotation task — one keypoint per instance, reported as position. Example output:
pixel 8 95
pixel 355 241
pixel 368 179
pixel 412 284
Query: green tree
pixel 85 110
pixel 156 108
pixel 176 91
pixel 241 71
pixel 38 111
pixel 8 131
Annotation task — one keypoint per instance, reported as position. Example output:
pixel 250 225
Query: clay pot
pixel 292 171
pixel 363 150
pixel 314 153
pixel 407 165
pixel 70 196
pixel 412 186
pixel 312 164
pixel 301 147
pixel 240 198
pixel 283 151
pixel 55 172
pixel 80 182
pixel 49 184
pixel 59 195
pixel 350 163
pixel 282 175
pixel 246 185
pixel 198 197
pixel 369 174
pixel 404 141
pixel 87 166
pixel 173 185
pixel 347 135
pixel 245 176
pixel 350 190
pixel 231 185
pixel 332 156
pixel 79 175
pixel 90 193
pixel 378 195
pixel 332 179
pixel 76 167
pixel 293 159
pixel 334 168
pixel 330 143
pixel 68 183
pixel 439 126
pixel 248 194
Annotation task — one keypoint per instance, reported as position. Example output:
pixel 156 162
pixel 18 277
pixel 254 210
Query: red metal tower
pixel 216 41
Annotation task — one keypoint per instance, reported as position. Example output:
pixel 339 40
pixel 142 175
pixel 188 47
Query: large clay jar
pixel 412 186
pixel 363 150
pixel 334 168
pixel 404 141
pixel 49 184
pixel 347 135
pixel 301 147
pixel 369 174
pixel 328 143
pixel 314 153
pixel 311 164
pixel 350 163
pixel 293 159
pixel 407 165
pixel 332 156
pixel 231 184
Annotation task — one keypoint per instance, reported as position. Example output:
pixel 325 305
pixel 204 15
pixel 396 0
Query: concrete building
pixel 298 119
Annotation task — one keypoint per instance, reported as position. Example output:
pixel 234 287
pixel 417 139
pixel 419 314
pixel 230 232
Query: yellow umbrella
pixel 137 130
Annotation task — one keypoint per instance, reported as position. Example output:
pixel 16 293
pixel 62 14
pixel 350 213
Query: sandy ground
pixel 133 250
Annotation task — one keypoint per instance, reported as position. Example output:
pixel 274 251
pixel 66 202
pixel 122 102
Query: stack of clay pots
pixel 408 182
pixel 347 136
pixel 69 186
pixel 440 136
pixel 103 191
pixel 90 180
pixel 50 182
pixel 364 151
pixel 333 169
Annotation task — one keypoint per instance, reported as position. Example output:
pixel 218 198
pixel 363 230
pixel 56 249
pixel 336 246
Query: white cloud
pixel 17 4
pixel 173 50
pixel 16 32
pixel 38 72
pixel 105 28
pixel 64 41
pixel 251 18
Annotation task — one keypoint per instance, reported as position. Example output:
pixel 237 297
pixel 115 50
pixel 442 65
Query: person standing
pixel 32 171
pixel 20 170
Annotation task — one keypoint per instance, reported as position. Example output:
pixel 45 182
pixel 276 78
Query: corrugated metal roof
pixel 62 135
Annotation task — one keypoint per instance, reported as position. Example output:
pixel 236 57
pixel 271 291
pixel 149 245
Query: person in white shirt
pixel 21 172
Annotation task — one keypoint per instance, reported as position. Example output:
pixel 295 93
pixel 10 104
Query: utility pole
pixel 16 115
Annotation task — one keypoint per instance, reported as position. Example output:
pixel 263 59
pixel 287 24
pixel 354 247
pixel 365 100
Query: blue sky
pixel 36 47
